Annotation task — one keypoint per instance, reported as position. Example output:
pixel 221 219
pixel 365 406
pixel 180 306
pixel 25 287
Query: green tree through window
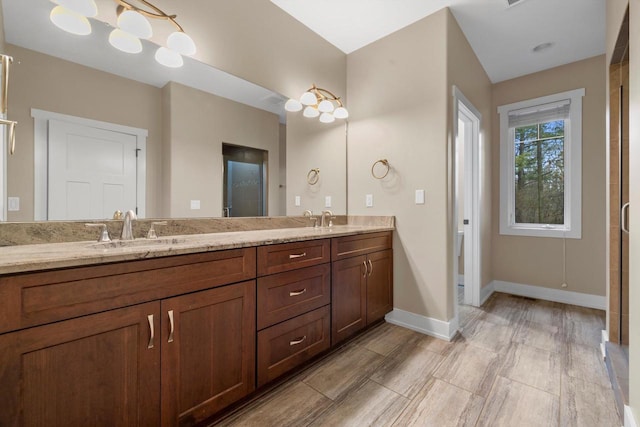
pixel 539 173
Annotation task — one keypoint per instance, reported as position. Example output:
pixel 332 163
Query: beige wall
pixel 538 261
pixel 47 83
pixel 398 98
pixel 199 123
pixel 465 72
pixel 634 220
pixel 401 97
pixel 315 145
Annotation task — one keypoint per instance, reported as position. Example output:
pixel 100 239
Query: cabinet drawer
pixel 290 256
pixel 350 246
pixel 37 298
pixel 284 346
pixel 286 295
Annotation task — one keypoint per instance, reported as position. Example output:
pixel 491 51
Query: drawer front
pixel 286 295
pixel 350 246
pixel 39 298
pixel 290 256
pixel 284 346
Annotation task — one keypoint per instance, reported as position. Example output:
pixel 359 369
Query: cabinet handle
pixel 292 256
pixel 296 293
pixel 297 341
pixel 151 330
pixel 170 313
pixel 370 267
pixel 364 263
pixel 623 218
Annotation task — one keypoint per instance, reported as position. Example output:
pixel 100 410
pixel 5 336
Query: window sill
pixel 525 231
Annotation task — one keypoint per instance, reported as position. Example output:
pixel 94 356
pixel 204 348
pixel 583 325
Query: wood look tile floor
pixel 516 362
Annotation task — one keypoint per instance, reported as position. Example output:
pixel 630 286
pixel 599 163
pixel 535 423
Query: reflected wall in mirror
pixel 188 113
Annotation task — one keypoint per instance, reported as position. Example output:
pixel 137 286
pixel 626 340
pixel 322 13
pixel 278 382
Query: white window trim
pixel 572 166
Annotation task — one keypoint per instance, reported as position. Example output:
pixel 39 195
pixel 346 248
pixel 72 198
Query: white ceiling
pixel 502 36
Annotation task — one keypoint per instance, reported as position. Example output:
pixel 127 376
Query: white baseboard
pixel 486 292
pixel 550 294
pixel 604 338
pixel 425 325
pixel 629 421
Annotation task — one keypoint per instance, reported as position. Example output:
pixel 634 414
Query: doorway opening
pixel 87 169
pixel 245 181
pixel 467 178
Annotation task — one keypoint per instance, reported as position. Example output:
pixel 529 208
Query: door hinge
pixel 136 210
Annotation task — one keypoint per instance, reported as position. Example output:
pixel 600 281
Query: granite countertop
pixel 24 258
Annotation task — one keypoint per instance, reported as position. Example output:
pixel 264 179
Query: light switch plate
pixel 369 200
pixel 327 201
pixel 419 197
pixel 195 204
pixel 297 201
pixel 13 204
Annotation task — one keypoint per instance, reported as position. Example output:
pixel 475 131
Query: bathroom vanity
pixel 175 331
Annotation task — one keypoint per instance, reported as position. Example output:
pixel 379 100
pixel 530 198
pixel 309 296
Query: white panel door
pixel 92 172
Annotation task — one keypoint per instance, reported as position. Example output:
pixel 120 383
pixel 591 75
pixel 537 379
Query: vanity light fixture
pixel 318 102
pixel 132 25
pixel 71 15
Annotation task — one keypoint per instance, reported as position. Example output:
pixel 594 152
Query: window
pixel 541 166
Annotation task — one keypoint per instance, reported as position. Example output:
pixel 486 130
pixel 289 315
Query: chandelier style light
pixel 318 102
pixel 71 16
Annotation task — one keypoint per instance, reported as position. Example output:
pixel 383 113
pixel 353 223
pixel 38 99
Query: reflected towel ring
pixel 313 176
pixel 384 162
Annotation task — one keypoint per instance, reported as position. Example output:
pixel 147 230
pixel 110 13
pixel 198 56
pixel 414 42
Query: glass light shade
pixel 311 112
pixel 327 118
pixel 86 8
pixel 169 58
pixel 293 105
pixel 70 21
pixel 180 42
pixel 308 98
pixel 325 106
pixel 135 24
pixel 124 41
pixel 341 113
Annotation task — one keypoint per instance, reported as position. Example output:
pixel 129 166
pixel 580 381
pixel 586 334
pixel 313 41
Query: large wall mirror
pixel 88 112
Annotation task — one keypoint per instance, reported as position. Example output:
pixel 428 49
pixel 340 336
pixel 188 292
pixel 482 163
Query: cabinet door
pixel 379 285
pixel 102 369
pixel 348 298
pixel 208 352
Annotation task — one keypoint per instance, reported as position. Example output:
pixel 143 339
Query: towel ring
pixel 384 162
pixel 313 176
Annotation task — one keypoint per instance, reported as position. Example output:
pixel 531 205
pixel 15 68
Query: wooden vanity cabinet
pixel 77 358
pixel 293 306
pixel 101 369
pixel 362 283
pixel 208 352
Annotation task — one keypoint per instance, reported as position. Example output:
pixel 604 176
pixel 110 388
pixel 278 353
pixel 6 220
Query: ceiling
pixel 502 36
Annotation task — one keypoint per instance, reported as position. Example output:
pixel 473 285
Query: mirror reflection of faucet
pixel 309 214
pixel 327 222
pixel 127 232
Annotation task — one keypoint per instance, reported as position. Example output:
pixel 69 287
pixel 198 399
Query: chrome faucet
pixel 309 214
pixel 127 233
pixel 325 214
